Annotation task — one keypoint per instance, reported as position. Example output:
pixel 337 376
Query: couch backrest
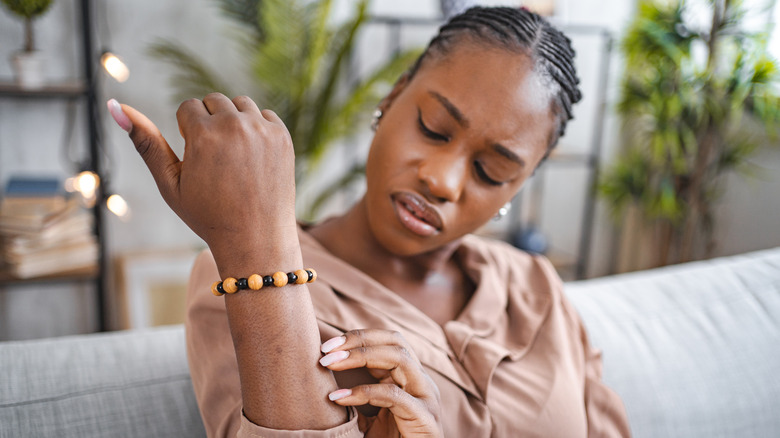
pixel 693 350
pixel 121 384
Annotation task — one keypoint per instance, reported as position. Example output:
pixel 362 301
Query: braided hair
pixel 522 31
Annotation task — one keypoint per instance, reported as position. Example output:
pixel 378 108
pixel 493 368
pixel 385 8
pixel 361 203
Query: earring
pixel 375 119
pixel 503 211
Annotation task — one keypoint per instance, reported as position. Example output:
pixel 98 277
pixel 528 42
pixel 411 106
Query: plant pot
pixel 29 70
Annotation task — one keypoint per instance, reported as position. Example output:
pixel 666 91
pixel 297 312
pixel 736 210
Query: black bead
pixel 291 277
pixel 242 283
pixel 220 289
pixel 311 276
pixel 268 281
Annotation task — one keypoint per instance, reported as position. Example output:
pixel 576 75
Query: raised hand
pixel 235 184
pixel 408 397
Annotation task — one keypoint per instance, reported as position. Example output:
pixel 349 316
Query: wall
pixel 32 135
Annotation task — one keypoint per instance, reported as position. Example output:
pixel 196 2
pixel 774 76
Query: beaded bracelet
pixel 256 282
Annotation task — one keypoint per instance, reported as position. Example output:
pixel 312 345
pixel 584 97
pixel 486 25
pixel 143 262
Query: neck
pixel 350 238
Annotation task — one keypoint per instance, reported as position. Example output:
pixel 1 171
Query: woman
pixel 426 330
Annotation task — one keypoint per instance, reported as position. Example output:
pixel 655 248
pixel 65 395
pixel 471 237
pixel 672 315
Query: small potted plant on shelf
pixel 27 63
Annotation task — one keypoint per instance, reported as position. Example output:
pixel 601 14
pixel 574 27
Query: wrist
pixel 242 256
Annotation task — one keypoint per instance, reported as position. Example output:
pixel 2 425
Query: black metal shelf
pixel 84 88
pixel 73 89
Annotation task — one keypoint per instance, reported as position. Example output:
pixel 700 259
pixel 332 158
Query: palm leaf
pixel 191 78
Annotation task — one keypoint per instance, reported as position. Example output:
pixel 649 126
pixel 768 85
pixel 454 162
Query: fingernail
pixel 334 357
pixel 341 393
pixel 119 116
pixel 330 344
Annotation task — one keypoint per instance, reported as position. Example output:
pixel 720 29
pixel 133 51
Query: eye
pixel 427 132
pixel 480 169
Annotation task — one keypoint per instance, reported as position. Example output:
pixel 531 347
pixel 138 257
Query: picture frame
pixel 152 287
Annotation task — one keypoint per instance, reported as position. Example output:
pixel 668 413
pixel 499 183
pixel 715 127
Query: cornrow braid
pixel 517 30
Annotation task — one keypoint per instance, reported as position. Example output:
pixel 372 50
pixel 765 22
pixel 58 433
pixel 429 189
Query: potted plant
pixel 696 103
pixel 28 65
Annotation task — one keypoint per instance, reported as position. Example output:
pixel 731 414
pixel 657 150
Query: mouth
pixel 416 214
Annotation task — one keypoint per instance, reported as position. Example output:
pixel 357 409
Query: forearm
pixel 277 342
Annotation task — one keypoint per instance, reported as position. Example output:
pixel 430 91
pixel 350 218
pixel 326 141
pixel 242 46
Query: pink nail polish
pixel 330 344
pixel 119 116
pixel 334 357
pixel 341 393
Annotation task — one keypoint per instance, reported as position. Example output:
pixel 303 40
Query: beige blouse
pixel 515 363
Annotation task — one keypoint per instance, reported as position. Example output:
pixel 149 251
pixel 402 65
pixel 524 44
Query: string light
pixel 85 183
pixel 114 66
pixel 116 204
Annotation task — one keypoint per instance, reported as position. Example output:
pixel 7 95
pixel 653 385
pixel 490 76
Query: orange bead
pixel 280 279
pixel 255 281
pixel 229 285
pixel 214 289
pixel 302 276
pixel 313 275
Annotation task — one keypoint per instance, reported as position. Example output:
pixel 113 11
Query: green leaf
pixel 192 77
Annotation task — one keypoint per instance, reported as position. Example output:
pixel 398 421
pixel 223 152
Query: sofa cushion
pixel 121 384
pixel 693 350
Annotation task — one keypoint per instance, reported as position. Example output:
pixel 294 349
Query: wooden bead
pixel 302 276
pixel 230 286
pixel 280 279
pixel 255 282
pixel 313 275
pixel 214 289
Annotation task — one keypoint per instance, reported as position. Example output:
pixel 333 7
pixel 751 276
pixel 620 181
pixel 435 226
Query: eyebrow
pixel 452 109
pixel 506 152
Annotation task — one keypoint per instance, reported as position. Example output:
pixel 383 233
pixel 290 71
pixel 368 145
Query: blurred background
pixel 672 155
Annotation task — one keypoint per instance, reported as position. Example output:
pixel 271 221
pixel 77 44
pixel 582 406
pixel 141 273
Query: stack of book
pixel 43 232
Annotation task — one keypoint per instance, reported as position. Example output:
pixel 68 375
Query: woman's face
pixel 455 143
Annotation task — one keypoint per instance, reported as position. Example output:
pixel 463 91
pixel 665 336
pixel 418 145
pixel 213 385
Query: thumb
pixel 162 162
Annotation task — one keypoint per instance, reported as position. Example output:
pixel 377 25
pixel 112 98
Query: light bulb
pixel 86 183
pixel 117 205
pixel 114 66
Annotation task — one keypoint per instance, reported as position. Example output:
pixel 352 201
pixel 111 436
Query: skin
pixel 464 115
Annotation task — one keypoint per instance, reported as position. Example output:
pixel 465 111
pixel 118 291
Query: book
pixel 27 186
pixel 33 214
pixel 65 259
pixel 30 203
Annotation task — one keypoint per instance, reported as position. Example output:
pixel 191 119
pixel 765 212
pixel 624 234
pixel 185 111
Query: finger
pixel 364 338
pixel 188 114
pixel 245 104
pixel 216 102
pixel 400 403
pixel 271 116
pixel 384 357
pixel 162 162
pixel 404 369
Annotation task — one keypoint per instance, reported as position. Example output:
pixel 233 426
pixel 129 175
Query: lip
pixel 416 214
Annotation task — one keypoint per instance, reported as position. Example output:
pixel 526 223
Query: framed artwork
pixel 152 287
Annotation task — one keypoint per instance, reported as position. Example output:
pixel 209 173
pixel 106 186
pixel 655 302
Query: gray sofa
pixel 694 350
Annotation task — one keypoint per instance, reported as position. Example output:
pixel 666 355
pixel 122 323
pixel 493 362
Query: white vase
pixel 29 70
pixel 449 8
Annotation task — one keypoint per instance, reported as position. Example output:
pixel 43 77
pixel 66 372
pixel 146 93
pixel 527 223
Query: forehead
pixel 482 79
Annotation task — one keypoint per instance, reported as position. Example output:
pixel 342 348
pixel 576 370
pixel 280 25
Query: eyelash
pixel 484 176
pixel 480 170
pixel 427 132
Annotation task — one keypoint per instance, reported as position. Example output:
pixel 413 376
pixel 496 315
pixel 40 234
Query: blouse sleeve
pixel 604 408
pixel 214 369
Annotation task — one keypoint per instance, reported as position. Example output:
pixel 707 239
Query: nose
pixel 444 174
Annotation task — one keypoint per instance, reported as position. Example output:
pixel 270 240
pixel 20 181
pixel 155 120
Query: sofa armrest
pixel 693 349
pixel 121 384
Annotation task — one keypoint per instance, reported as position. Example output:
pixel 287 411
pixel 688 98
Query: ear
pixel 399 86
